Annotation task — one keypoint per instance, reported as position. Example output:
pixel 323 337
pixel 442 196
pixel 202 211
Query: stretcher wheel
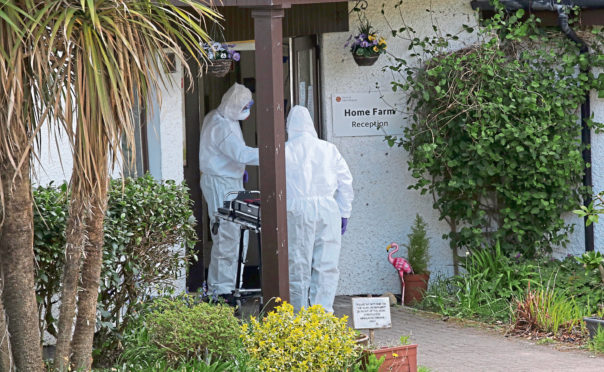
pixel 215 228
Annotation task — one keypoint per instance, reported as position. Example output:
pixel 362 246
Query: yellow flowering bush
pixel 311 340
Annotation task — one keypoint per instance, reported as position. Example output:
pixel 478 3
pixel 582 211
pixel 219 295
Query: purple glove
pixel 246 177
pixel 344 224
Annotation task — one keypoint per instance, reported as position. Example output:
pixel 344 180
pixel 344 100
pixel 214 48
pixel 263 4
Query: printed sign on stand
pixel 371 312
pixel 367 114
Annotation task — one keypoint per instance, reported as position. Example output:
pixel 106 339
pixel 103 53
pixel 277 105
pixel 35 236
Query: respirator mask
pixel 245 113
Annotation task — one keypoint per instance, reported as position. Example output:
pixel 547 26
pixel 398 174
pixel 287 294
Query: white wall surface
pixel 165 127
pixel 597 149
pixel 384 208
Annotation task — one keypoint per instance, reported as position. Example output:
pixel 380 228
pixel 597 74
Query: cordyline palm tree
pixel 115 53
pixel 26 100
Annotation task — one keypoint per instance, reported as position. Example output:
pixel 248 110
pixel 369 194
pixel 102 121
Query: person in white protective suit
pixel 223 156
pixel 319 203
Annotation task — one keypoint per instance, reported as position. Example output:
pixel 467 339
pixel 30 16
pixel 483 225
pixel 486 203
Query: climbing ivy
pixel 495 132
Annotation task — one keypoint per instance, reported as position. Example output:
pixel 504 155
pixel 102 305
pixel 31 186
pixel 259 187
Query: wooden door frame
pixel 304 43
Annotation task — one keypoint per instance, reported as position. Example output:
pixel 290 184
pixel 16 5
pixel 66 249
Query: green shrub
pixel 311 340
pixel 50 217
pixel 493 286
pixel 548 310
pixel 145 220
pixel 584 286
pixel 177 330
pixel 198 365
pixel 494 132
pixel 417 249
pixel 597 343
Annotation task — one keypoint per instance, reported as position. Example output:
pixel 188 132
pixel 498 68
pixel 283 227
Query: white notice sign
pixel 367 114
pixel 371 312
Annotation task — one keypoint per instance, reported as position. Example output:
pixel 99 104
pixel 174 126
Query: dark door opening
pixel 205 96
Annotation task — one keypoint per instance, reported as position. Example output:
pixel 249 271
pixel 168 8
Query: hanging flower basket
pixel 367 45
pixel 365 60
pixel 221 57
pixel 220 67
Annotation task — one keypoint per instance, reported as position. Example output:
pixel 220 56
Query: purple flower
pixel 364 44
pixel 236 56
pixel 518 255
pixel 362 36
pixel 375 42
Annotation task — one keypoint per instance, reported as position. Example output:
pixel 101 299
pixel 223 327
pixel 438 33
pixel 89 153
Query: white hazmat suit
pixel 223 156
pixel 319 195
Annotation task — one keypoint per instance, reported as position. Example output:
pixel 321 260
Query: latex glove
pixel 344 224
pixel 246 177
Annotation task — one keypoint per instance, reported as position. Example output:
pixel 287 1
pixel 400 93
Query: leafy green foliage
pixel 591 260
pixel 307 341
pixel 493 284
pixel 198 365
pixel 485 291
pixel 181 329
pixel 145 220
pixel 584 286
pixel 597 343
pixel 372 364
pixel 494 130
pixel 548 310
pixel 50 216
pixel 417 249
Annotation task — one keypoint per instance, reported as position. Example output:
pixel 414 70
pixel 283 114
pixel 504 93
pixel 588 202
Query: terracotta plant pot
pixel 365 61
pixel 401 358
pixel 593 324
pixel 415 287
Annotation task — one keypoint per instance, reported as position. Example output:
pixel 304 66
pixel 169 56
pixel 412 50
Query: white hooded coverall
pixel 223 156
pixel 319 195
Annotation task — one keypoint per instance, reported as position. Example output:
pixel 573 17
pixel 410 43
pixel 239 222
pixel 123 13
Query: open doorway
pixel 301 86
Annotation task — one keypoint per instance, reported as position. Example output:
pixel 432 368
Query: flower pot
pixel 362 340
pixel 593 324
pixel 220 67
pixel 365 61
pixel 402 358
pixel 415 287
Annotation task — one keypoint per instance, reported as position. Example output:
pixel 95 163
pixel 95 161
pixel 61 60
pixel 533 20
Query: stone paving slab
pixel 450 346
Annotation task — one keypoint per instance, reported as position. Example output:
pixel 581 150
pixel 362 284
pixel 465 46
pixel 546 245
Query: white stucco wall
pixel 165 131
pixel 597 149
pixel 384 208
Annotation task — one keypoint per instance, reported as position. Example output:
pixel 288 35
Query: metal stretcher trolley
pixel 243 210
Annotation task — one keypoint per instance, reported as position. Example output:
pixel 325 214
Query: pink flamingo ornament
pixel 401 265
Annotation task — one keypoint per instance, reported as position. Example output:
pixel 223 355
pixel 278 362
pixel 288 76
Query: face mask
pixel 244 114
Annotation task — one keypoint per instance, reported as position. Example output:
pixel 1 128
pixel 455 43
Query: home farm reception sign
pixel 366 114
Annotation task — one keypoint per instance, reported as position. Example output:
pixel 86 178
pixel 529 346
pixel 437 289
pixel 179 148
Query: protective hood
pixel 233 101
pixel 299 122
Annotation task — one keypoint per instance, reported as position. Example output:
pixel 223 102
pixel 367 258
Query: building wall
pixel 384 208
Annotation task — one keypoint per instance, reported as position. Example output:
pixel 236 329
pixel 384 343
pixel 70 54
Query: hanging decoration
pixel 367 45
pixel 221 57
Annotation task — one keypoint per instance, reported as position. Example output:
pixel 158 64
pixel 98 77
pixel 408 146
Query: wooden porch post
pixel 268 34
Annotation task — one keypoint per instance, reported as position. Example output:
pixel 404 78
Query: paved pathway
pixel 450 346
